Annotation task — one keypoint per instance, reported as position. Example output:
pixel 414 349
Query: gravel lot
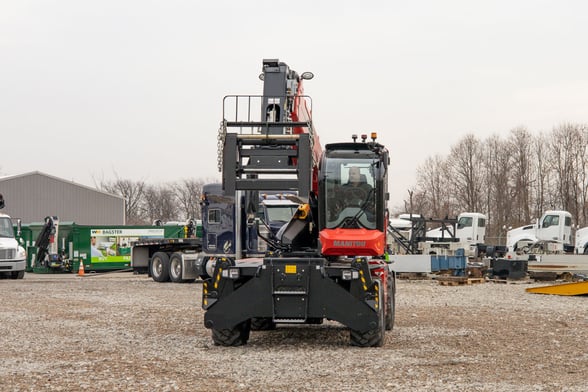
pixel 125 332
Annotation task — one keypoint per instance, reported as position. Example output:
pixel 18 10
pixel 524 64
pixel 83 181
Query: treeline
pixel 512 180
pixel 144 203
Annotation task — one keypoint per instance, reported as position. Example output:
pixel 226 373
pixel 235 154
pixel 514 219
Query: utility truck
pixel 12 254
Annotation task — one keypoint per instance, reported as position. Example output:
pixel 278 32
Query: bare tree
pixel 544 195
pixel 582 218
pixel 433 184
pixel 466 174
pixel 497 185
pixel 567 150
pixel 160 202
pixel 521 143
pixel 132 192
pixel 188 192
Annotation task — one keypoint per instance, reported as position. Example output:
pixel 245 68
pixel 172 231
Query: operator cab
pixel 352 198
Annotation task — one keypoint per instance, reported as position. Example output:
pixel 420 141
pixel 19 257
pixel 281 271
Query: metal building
pixel 35 195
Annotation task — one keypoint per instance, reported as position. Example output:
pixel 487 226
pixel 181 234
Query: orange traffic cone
pixel 81 269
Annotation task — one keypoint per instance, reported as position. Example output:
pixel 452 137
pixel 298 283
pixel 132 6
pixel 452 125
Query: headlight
pixel 21 253
pixel 231 273
pixel 349 274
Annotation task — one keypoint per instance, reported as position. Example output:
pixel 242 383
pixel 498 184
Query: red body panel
pixel 301 113
pixel 352 242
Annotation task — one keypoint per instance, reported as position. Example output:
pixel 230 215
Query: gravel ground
pixel 125 332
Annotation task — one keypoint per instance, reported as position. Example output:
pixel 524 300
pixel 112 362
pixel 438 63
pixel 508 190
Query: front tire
pixel 374 337
pixel 17 274
pixel 159 267
pixel 262 324
pixel 391 302
pixel 232 337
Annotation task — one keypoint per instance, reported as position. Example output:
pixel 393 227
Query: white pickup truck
pixel 12 255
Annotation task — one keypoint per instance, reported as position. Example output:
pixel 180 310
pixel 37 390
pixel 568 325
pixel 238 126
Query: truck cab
pixel 262 221
pixel 12 254
pixel 582 241
pixel 471 227
pixel 554 227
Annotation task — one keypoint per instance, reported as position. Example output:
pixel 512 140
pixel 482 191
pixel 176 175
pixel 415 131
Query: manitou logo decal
pixel 349 244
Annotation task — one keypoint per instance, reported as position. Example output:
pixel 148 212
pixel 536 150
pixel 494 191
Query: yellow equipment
pixel 576 288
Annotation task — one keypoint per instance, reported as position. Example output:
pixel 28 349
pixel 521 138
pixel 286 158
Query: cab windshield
pixel 6 230
pixel 350 194
pixel 280 213
pixel 464 221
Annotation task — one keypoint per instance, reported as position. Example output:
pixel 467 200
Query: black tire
pixel 176 269
pixel 391 302
pixel 17 274
pixel 232 337
pixel 159 267
pixel 586 250
pixel 374 337
pixel 262 324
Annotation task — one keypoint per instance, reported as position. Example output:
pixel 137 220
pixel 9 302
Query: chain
pixel 220 142
pixel 311 132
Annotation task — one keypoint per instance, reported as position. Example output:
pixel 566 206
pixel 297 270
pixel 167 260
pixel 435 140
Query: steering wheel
pixel 354 195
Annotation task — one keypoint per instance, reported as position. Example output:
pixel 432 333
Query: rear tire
pixel 232 337
pixel 176 269
pixel 159 267
pixel 374 337
pixel 17 274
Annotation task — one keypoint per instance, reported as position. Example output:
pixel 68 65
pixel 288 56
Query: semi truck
pixel 12 253
pixel 581 241
pixel 229 228
pixel 553 230
pixel 547 247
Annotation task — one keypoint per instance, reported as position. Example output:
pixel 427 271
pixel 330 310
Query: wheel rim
pixel 157 267
pixel 175 268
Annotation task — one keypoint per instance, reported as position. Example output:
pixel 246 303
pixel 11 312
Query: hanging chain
pixel 220 142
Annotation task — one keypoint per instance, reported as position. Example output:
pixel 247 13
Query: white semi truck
pixel 582 241
pixel 12 254
pixel 552 230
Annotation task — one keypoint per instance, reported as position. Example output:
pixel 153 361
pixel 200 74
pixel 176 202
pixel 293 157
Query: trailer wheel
pixel 262 324
pixel 17 274
pixel 373 337
pixel 176 269
pixel 159 267
pixel 232 337
pixel 391 302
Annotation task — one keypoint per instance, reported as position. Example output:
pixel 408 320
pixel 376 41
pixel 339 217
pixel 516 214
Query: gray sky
pixel 90 89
